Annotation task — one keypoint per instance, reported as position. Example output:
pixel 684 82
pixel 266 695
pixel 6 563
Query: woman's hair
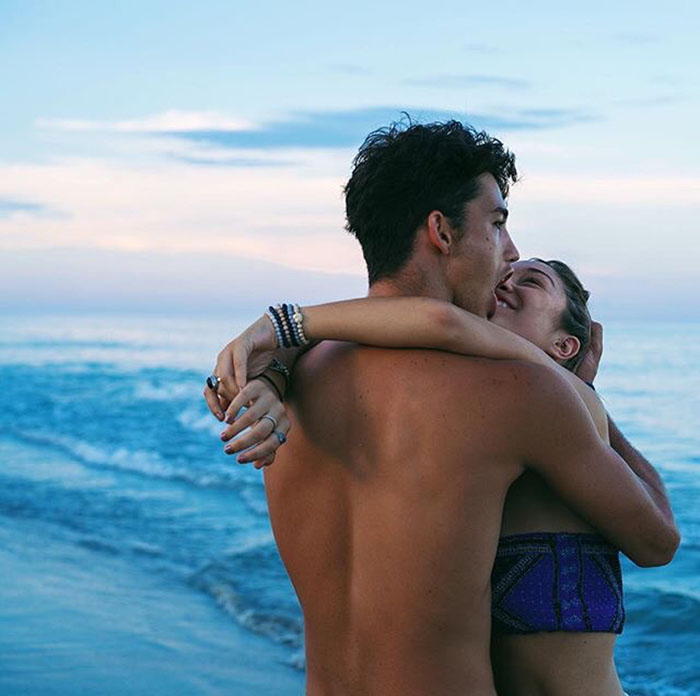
pixel 575 319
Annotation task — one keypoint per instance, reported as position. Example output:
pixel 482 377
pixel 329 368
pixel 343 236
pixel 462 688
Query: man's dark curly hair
pixel 403 172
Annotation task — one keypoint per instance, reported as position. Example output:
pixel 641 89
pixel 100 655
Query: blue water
pixel 138 559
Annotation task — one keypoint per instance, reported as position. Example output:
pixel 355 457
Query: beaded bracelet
pixel 282 329
pixel 288 322
pixel 275 325
pixel 299 321
pixel 285 325
pixel 291 324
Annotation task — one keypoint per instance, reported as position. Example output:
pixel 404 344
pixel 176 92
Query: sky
pixel 172 156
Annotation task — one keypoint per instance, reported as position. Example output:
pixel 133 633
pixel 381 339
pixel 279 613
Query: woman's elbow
pixel 661 552
pixel 442 316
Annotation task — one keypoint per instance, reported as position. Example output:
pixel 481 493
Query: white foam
pixel 142 462
pixel 150 391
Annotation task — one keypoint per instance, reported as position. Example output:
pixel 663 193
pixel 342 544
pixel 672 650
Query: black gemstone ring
pixel 213 382
pixel 281 436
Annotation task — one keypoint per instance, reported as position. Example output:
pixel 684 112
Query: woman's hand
pixel 588 368
pixel 267 419
pixel 248 354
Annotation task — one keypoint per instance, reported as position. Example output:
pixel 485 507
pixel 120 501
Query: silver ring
pixel 280 436
pixel 213 382
pixel 272 420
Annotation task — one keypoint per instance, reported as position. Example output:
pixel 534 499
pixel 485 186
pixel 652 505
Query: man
pixel 386 502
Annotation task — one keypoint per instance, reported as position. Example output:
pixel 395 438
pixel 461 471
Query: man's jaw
pixel 493 304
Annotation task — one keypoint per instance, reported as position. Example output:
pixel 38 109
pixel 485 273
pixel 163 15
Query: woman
pixel 556 585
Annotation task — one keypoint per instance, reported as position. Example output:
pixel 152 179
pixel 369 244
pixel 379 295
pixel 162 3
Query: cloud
pixel 167 234
pixel 314 130
pixel 348 129
pixel 8 207
pixel 166 122
pixel 642 192
pixel 231 161
pixel 551 114
pixel 75 278
pixel 457 81
pixel 270 213
pixel 24 209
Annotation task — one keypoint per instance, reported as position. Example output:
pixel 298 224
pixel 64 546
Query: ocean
pixel 138 559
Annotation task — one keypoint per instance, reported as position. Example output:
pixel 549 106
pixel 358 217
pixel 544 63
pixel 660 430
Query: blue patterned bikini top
pixel 549 581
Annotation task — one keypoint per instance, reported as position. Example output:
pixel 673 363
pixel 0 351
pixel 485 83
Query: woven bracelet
pixel 271 382
pixel 282 369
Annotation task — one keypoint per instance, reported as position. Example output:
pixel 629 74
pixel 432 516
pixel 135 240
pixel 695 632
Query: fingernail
pixel 223 436
pixel 229 449
pixel 242 459
pixel 220 415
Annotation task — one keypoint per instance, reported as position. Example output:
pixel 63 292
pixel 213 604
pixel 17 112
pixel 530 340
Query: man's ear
pixel 566 347
pixel 441 234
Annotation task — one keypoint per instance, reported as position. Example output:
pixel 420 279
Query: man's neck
pixel 410 284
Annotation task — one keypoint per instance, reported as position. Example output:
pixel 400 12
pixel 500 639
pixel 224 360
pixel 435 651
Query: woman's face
pixel 531 304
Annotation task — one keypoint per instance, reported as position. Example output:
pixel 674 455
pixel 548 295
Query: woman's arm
pixel 392 322
pixel 423 322
pixel 398 322
pixel 417 322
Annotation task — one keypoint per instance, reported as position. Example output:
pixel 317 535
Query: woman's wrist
pixel 275 381
pixel 288 324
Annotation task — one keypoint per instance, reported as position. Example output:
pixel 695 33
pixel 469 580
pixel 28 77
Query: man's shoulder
pixel 511 386
pixel 428 370
pixel 339 354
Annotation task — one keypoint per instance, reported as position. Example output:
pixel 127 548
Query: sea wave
pixel 663 612
pixel 252 587
pixel 194 418
pixel 140 462
pixel 171 391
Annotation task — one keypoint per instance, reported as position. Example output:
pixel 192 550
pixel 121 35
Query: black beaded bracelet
pixel 280 325
pixel 288 311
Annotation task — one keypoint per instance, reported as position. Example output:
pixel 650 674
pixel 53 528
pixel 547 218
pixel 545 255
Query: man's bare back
pixel 386 506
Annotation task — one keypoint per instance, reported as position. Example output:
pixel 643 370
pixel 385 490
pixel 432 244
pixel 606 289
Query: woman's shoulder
pixel 593 404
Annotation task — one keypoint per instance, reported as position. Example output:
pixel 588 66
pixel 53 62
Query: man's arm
pixel 629 507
